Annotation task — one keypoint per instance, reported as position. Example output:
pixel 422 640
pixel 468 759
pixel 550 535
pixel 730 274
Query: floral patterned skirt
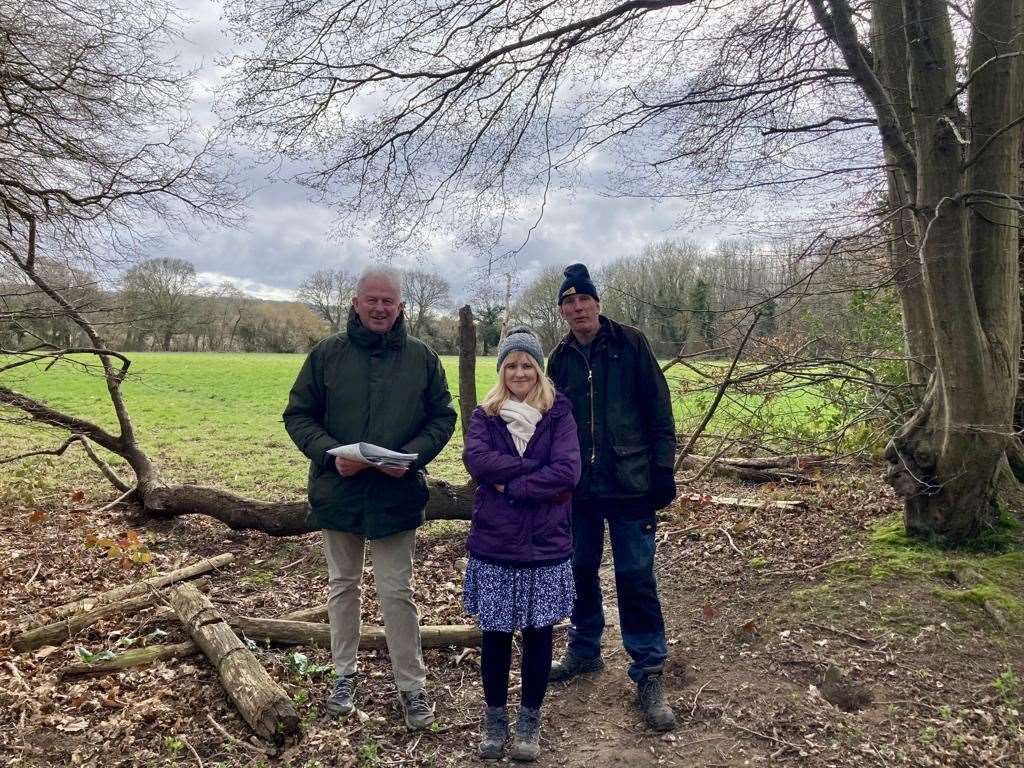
pixel 506 598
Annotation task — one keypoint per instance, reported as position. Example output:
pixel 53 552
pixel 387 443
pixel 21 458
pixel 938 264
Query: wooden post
pixel 467 366
pixel 261 701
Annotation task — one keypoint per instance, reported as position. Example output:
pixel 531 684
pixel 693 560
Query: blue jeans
pixel 640 619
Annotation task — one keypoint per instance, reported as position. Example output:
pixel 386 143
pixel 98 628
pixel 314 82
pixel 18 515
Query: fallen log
pixel 317 613
pixel 284 518
pixel 318 635
pixel 795 505
pixel 131 590
pixel 262 703
pixel 747 472
pixel 65 629
pixel 136 657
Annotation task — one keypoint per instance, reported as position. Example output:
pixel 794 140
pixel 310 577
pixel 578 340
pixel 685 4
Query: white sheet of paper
pixel 374 454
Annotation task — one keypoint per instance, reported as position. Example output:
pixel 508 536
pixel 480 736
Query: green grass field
pixel 216 419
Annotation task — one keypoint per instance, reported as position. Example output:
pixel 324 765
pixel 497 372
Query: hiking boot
pixel 339 703
pixel 651 697
pixel 492 746
pixel 416 709
pixel 571 666
pixel 526 743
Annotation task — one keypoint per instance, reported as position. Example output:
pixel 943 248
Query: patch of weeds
pixel 368 754
pixel 444 529
pixel 259 578
pixel 173 746
pixel 300 666
pixel 757 562
pixel 1007 688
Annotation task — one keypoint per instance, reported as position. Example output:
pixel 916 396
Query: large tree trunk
pixel 888 44
pixel 945 461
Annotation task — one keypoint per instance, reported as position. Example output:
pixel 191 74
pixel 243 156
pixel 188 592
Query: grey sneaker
pixel 339 702
pixel 526 743
pixel 651 698
pixel 492 746
pixel 572 666
pixel 416 709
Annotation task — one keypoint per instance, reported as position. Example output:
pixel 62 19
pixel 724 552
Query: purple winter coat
pixel 527 525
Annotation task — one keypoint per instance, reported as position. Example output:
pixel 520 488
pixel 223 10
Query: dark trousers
pixel 640 619
pixel 496 661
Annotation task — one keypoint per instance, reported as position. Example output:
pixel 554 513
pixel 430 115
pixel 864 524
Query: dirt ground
pixel 792 643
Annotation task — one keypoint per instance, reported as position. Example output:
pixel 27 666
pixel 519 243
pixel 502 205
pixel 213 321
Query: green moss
pixel 757 562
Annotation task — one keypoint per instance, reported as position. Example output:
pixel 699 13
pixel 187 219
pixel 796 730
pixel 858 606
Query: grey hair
pixel 380 272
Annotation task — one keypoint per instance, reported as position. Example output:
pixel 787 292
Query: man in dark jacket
pixel 624 417
pixel 375 384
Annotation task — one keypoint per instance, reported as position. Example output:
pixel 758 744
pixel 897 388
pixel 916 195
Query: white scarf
pixel 521 420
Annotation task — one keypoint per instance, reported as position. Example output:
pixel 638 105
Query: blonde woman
pixel 523 451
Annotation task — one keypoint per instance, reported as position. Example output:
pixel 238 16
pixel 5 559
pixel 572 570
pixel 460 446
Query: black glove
pixel 663 487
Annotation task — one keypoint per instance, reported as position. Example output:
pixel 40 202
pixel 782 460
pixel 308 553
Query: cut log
pixel 262 703
pixel 131 590
pixel 319 635
pixel 136 657
pixel 65 629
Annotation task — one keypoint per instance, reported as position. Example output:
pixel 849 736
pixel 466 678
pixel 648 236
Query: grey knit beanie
pixel 521 339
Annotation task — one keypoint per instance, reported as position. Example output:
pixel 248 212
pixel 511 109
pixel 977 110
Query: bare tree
pixel 423 293
pixel 161 295
pixel 476 104
pixel 537 306
pixel 329 293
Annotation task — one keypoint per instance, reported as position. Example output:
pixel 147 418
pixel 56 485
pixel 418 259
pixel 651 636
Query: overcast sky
pixel 287 235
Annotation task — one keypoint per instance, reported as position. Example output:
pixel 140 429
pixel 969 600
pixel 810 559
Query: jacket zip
pixel 590 384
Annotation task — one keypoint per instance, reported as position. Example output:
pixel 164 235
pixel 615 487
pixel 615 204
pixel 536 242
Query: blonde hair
pixel 541 397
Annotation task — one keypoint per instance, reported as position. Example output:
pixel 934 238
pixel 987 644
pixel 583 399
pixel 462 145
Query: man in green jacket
pixel 373 383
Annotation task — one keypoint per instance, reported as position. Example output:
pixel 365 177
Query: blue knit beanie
pixel 521 339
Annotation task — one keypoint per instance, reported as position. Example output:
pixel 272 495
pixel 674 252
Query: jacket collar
pixel 610 331
pixel 367 339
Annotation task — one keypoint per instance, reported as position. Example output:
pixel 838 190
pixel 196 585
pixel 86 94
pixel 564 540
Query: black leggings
pixel 496 661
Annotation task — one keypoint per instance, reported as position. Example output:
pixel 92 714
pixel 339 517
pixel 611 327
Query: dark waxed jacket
pixel 623 412
pixel 359 386
pixel 528 524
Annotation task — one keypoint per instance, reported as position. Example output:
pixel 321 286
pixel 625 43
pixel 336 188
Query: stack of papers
pixel 374 454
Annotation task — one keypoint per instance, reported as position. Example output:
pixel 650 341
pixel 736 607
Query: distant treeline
pixel 685 298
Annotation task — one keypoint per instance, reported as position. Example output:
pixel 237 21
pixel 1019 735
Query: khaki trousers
pixel 392 569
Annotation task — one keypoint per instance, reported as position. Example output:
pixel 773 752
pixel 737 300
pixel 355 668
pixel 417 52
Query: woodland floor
pixel 751 636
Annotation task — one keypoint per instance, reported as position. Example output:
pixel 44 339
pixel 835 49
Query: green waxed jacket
pixel 359 386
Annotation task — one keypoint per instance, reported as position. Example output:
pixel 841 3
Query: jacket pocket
pixel 632 468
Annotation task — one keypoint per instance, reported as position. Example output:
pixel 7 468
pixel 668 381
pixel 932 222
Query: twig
pixel 777 740
pixel 34 573
pixel 731 542
pixel 237 741
pixel 116 501
pixel 191 749
pixel 694 707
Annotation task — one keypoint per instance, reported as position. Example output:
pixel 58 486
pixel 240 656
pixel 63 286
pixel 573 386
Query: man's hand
pixel 349 467
pixel 393 471
pixel 499 487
